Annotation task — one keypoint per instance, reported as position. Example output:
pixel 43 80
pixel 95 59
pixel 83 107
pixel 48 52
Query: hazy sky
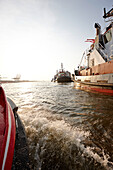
pixel 37 35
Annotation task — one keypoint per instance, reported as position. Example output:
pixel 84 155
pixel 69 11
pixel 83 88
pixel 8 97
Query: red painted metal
pixel 7 133
pixel 107 91
pixel 90 40
pixel 99 90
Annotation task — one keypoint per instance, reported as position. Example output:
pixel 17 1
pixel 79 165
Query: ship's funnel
pixel 98 29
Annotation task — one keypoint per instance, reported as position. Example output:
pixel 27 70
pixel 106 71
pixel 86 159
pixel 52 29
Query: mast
pixel 62 66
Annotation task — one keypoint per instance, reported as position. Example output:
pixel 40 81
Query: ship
pixel 95 71
pixel 62 76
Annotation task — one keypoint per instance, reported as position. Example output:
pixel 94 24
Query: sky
pixel 36 36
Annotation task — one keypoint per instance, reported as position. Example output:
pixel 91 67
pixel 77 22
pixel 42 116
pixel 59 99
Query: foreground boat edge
pixel 7 151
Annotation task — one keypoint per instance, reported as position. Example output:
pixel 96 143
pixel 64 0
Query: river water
pixel 67 129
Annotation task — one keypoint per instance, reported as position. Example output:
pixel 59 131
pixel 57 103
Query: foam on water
pixel 53 141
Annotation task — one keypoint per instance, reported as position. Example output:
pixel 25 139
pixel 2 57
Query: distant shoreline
pixel 18 81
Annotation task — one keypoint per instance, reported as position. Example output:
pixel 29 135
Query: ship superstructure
pixel 96 67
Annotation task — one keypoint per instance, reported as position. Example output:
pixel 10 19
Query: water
pixel 67 129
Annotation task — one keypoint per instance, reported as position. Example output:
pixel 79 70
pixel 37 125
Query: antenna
pixel 61 65
pixel 104 13
pixel 108 15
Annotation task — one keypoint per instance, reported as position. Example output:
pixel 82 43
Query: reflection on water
pixel 67 129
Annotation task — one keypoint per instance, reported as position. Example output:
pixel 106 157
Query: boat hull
pixel 7 132
pixel 94 87
pixel 64 79
pixel 98 83
pixel 21 156
pixel 14 152
pixel 21 150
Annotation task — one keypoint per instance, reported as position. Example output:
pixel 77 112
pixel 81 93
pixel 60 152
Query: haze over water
pixel 67 129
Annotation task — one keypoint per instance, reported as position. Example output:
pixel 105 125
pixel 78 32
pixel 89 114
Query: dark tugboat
pixel 63 76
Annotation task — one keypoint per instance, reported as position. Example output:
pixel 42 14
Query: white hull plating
pixel 108 78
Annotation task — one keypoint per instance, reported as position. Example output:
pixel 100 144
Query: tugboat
pixel 95 71
pixel 63 76
pixel 13 143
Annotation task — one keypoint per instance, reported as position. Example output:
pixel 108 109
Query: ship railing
pixel 83 64
pixel 88 51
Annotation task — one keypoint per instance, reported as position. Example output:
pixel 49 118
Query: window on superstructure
pixel 92 62
pixel 107 36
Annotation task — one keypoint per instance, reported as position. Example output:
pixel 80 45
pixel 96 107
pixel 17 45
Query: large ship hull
pixel 98 83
